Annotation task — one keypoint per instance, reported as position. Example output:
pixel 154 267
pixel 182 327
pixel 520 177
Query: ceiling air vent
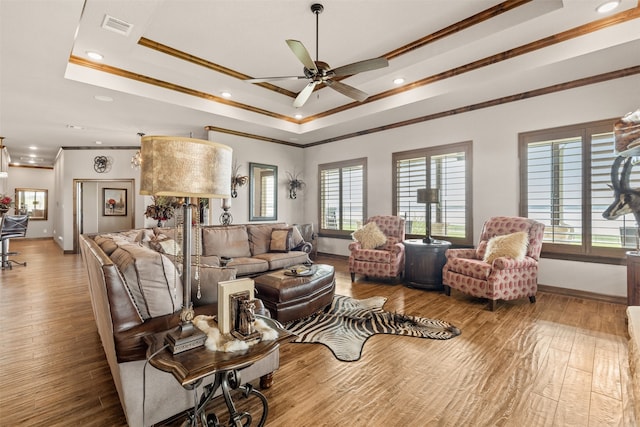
pixel 116 25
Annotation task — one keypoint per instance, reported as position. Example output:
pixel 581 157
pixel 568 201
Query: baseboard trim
pixel 36 238
pixel 583 294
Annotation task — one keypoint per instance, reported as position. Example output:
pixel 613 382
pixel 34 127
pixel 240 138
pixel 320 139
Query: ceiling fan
pixel 320 72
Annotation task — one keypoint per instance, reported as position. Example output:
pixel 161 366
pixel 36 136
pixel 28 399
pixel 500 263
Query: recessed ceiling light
pixel 94 55
pixel 398 81
pixel 98 142
pixel 225 94
pixel 608 6
pixel 103 98
pixel 33 147
pixel 298 116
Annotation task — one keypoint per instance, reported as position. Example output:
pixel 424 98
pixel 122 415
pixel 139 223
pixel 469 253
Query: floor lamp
pixel 428 196
pixel 185 168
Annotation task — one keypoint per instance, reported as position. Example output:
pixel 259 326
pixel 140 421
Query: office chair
pixel 10 227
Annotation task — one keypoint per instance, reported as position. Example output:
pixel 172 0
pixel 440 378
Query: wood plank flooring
pixel 559 362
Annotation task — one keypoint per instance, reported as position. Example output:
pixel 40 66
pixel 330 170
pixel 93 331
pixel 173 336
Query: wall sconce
pixel 237 180
pixel 295 184
pixel 428 196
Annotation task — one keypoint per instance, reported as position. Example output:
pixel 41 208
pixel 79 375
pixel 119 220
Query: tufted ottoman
pixel 294 297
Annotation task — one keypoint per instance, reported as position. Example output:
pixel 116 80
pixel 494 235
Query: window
pixel 447 168
pixel 565 177
pixel 343 189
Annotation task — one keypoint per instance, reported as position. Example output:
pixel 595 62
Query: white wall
pixel 494 133
pixel 23 177
pixel 78 164
pixel 286 158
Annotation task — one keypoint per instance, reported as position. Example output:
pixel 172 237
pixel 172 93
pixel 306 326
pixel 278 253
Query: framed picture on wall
pixel 114 202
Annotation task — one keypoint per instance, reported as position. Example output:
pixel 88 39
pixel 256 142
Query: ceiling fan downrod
pixel 317 9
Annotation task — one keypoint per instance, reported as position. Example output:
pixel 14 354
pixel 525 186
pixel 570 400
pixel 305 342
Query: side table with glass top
pixel 423 263
pixel 189 368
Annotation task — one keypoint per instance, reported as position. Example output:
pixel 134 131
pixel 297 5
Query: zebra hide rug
pixel 347 323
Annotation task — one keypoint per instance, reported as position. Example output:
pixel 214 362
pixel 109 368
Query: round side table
pixel 423 263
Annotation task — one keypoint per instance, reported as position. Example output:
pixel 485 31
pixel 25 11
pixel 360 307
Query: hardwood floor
pixel 559 362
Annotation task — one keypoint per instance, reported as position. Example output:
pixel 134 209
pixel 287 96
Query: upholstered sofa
pixel 136 290
pixel 249 248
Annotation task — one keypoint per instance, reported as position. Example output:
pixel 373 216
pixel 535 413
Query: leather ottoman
pixel 291 298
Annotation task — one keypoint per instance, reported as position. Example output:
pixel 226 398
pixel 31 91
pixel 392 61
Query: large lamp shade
pixel 184 167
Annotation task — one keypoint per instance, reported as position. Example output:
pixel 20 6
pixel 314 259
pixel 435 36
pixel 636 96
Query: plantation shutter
pixel 342 196
pixel 443 167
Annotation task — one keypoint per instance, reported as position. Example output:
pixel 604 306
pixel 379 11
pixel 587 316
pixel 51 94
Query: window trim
pixel 342 234
pixel 467 148
pixel 584 252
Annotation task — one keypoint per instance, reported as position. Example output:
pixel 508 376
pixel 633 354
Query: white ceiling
pixel 42 91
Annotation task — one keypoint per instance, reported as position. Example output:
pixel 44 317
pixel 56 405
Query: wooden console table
pixel 423 263
pixel 190 367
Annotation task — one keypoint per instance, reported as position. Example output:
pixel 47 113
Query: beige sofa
pixel 135 291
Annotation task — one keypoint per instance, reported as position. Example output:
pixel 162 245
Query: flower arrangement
pixel 295 183
pixel 162 208
pixel 5 202
pixel 237 180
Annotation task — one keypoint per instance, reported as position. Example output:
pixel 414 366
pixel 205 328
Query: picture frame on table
pixel 114 202
pixel 230 294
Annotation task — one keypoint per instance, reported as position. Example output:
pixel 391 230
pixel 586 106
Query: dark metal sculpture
pixel 626 199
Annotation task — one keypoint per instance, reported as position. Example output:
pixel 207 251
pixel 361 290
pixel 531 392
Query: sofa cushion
pixel 278 260
pixel 151 278
pixel 260 237
pixel 280 239
pixel 247 265
pixel 230 241
pixel 209 278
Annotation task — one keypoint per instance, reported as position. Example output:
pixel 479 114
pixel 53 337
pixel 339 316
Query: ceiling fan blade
pixel 302 53
pixel 304 95
pixel 271 79
pixel 347 90
pixel 359 67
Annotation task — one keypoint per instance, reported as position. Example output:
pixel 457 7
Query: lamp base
pixel 428 240
pixel 185 337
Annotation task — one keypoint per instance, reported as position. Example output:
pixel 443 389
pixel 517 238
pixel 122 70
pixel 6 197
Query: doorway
pixel 101 206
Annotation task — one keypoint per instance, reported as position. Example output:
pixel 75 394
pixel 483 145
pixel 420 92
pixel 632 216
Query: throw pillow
pixel 510 245
pixel 370 236
pixel 280 239
pixel 170 247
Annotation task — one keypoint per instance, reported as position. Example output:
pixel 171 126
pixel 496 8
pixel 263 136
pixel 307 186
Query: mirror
pixel 263 190
pixel 32 202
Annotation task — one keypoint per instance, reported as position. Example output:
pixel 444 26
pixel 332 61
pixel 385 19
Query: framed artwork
pixel 114 202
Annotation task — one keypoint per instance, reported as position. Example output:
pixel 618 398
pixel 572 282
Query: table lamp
pixel 185 168
pixel 428 196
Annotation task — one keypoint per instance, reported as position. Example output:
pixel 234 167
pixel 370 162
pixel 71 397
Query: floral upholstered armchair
pixel 378 250
pixel 503 266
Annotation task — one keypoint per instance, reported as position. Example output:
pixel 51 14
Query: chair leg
pixel 447 290
pixel 492 304
pixel 353 277
pixel 532 299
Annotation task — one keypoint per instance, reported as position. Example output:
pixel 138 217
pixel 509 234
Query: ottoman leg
pixel 353 277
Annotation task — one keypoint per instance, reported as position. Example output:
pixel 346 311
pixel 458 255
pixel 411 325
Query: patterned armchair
pixel 505 278
pixel 386 261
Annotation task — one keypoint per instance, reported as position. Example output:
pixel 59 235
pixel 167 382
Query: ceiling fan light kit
pixel 320 72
